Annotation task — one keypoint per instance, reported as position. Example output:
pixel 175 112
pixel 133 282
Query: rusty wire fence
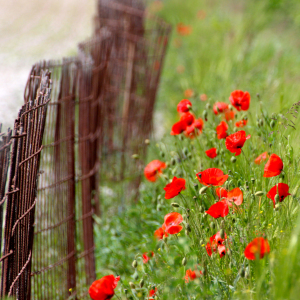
pixel 100 113
pixel 20 198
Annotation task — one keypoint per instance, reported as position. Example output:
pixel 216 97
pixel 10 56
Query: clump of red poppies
pixel 216 243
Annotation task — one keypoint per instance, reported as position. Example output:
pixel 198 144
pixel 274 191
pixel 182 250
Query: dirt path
pixel 35 30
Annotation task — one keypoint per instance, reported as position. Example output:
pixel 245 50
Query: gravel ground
pixel 35 30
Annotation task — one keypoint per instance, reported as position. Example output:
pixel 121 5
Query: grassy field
pixel 228 45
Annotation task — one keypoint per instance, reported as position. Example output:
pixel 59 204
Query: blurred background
pixel 220 46
pixel 31 31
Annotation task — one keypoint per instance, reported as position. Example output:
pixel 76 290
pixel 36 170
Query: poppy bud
pixel 222 234
pixel 162 153
pixel 201 209
pixel 196 186
pixel 212 225
pixel 135 276
pixel 259 193
pixel 188 228
pixel 242 272
pixel 204 114
pixel 203 190
pixel 132 286
pixel 272 124
pixel 147 141
pixel 185 151
pixel 184 261
pixel 277 206
pixel 277 197
pixel 230 107
pixel 142 283
pixel 252 180
pixel 158 207
pixel 208 106
pixel 135 156
pixel 187 232
pixel 175 204
pixel 173 161
pixel 134 264
pixel 233 159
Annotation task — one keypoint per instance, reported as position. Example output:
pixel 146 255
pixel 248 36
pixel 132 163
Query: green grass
pixel 247 45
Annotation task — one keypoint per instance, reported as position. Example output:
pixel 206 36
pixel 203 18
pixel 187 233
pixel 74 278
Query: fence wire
pixel 100 113
pixel 21 195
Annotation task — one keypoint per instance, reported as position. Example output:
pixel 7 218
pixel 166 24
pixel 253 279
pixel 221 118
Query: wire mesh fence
pixel 20 198
pixel 100 113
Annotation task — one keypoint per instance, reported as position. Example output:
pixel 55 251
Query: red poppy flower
pixel 216 243
pixel 174 188
pixel 188 93
pixel 236 196
pixel 221 192
pixel 146 258
pixel 103 289
pixel 229 114
pixel 240 100
pixel 261 158
pixel 236 141
pixel 191 275
pixel 222 130
pixel 241 123
pixel 282 189
pixel 153 169
pixel 152 293
pixel 187 118
pixel 203 97
pixel 178 128
pixel 220 107
pixel 212 176
pixel 195 128
pixel 172 221
pixel 184 29
pixel 218 210
pixel 184 106
pixel 212 153
pixel 257 248
pixel 274 166
pixel 160 233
